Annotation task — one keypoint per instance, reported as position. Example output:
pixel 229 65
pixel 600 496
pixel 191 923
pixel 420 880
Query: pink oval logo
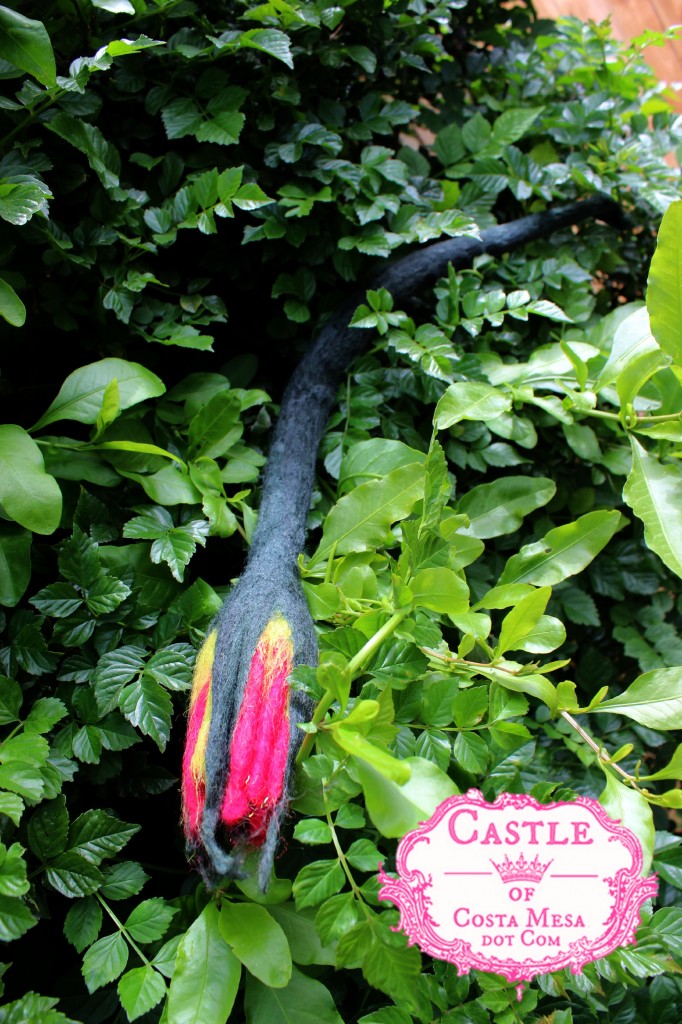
pixel 516 887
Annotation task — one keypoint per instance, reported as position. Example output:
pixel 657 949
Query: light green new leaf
pixel 105 961
pixel 361 519
pixel 15 563
pixel 632 340
pixel 632 810
pixel 395 809
pixel 80 396
pixel 664 291
pixel 653 490
pixel 508 674
pixel 522 620
pixel 353 742
pixel 206 976
pixel 654 700
pixel 28 495
pixel 140 989
pixel 673 769
pixel 116 7
pixel 563 551
pixel 149 920
pixel 441 590
pixel 303 1001
pixel 374 459
pixel 317 881
pixel 11 307
pixel 258 941
pixel 469 401
pixel 26 44
pixel 499 507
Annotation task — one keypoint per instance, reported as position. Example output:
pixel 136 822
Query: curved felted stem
pixel 230 809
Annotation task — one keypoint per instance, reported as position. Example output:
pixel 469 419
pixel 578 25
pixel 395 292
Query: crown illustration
pixel 521 870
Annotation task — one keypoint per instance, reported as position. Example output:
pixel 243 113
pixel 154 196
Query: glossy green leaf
pixel 96 835
pixel 149 920
pixel 562 552
pixel 258 941
pixel 80 396
pixel 362 519
pixel 664 290
pixel 654 700
pixel 148 707
pixel 26 44
pixel 631 809
pixel 15 918
pixel 653 491
pixel 48 828
pixel 469 401
pixel 317 881
pixel 28 495
pixel 83 923
pixel 374 459
pixel 303 1001
pixel 12 308
pixel 498 508
pixel 206 976
pixel 15 563
pixel 396 809
pixel 271 41
pixel 441 590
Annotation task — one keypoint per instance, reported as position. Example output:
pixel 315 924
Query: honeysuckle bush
pixel 186 191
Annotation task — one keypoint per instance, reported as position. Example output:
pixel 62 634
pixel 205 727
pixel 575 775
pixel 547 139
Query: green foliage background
pixel 186 191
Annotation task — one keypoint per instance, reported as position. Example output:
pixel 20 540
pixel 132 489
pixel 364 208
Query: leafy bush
pixel 495 534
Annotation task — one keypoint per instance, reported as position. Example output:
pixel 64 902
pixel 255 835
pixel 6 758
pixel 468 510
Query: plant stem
pixel 601 753
pixel 121 927
pixel 341 855
pixel 355 665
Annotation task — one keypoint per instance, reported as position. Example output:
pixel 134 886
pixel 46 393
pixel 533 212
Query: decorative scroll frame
pixel 410 892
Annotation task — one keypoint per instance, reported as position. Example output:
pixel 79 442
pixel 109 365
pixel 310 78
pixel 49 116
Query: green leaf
pixel 206 976
pixel 469 401
pixel 12 308
pixel 392 966
pixel 116 7
pixel 48 828
pixel 11 698
pixel 522 620
pixel 28 495
pixel 13 881
pixel 363 855
pixel 396 809
pixel 337 916
pixel 83 922
pixel 653 490
pixel 312 832
pixel 258 941
pixel 362 519
pixel 471 753
pixel 664 288
pixel 96 835
pixel 58 600
pixel 26 44
pixel 441 590
pixel 80 396
pixel 374 459
pixel 73 875
pixel 105 961
pixel 317 881
pixel 15 918
pixel 123 880
pixel 140 989
pixel 12 806
pixel 653 700
pixel 149 920
pixel 631 809
pixel 562 552
pixel 303 1001
pixel 498 508
pixel 15 563
pixel 673 770
pixel 302 934
pixel 269 40
pixel 148 707
pixel 24 779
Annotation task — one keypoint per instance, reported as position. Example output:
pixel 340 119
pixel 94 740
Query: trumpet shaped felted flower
pixel 242 733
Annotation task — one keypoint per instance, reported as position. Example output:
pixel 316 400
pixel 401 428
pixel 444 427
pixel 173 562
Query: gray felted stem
pixel 270 583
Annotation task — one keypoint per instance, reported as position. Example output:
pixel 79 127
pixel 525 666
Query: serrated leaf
pixel 337 916
pixel 12 806
pixel 13 881
pixel 312 831
pixel 12 308
pixel 317 881
pixel 140 990
pixel 15 918
pixel 15 563
pixel 258 941
pixel 48 828
pixel 269 40
pixel 83 922
pixel 105 961
pixel 149 920
pixel 122 880
pixel 148 707
pixel 73 875
pixel 96 835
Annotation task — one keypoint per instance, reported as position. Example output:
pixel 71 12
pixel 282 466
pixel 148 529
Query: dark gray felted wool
pixel 270 582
